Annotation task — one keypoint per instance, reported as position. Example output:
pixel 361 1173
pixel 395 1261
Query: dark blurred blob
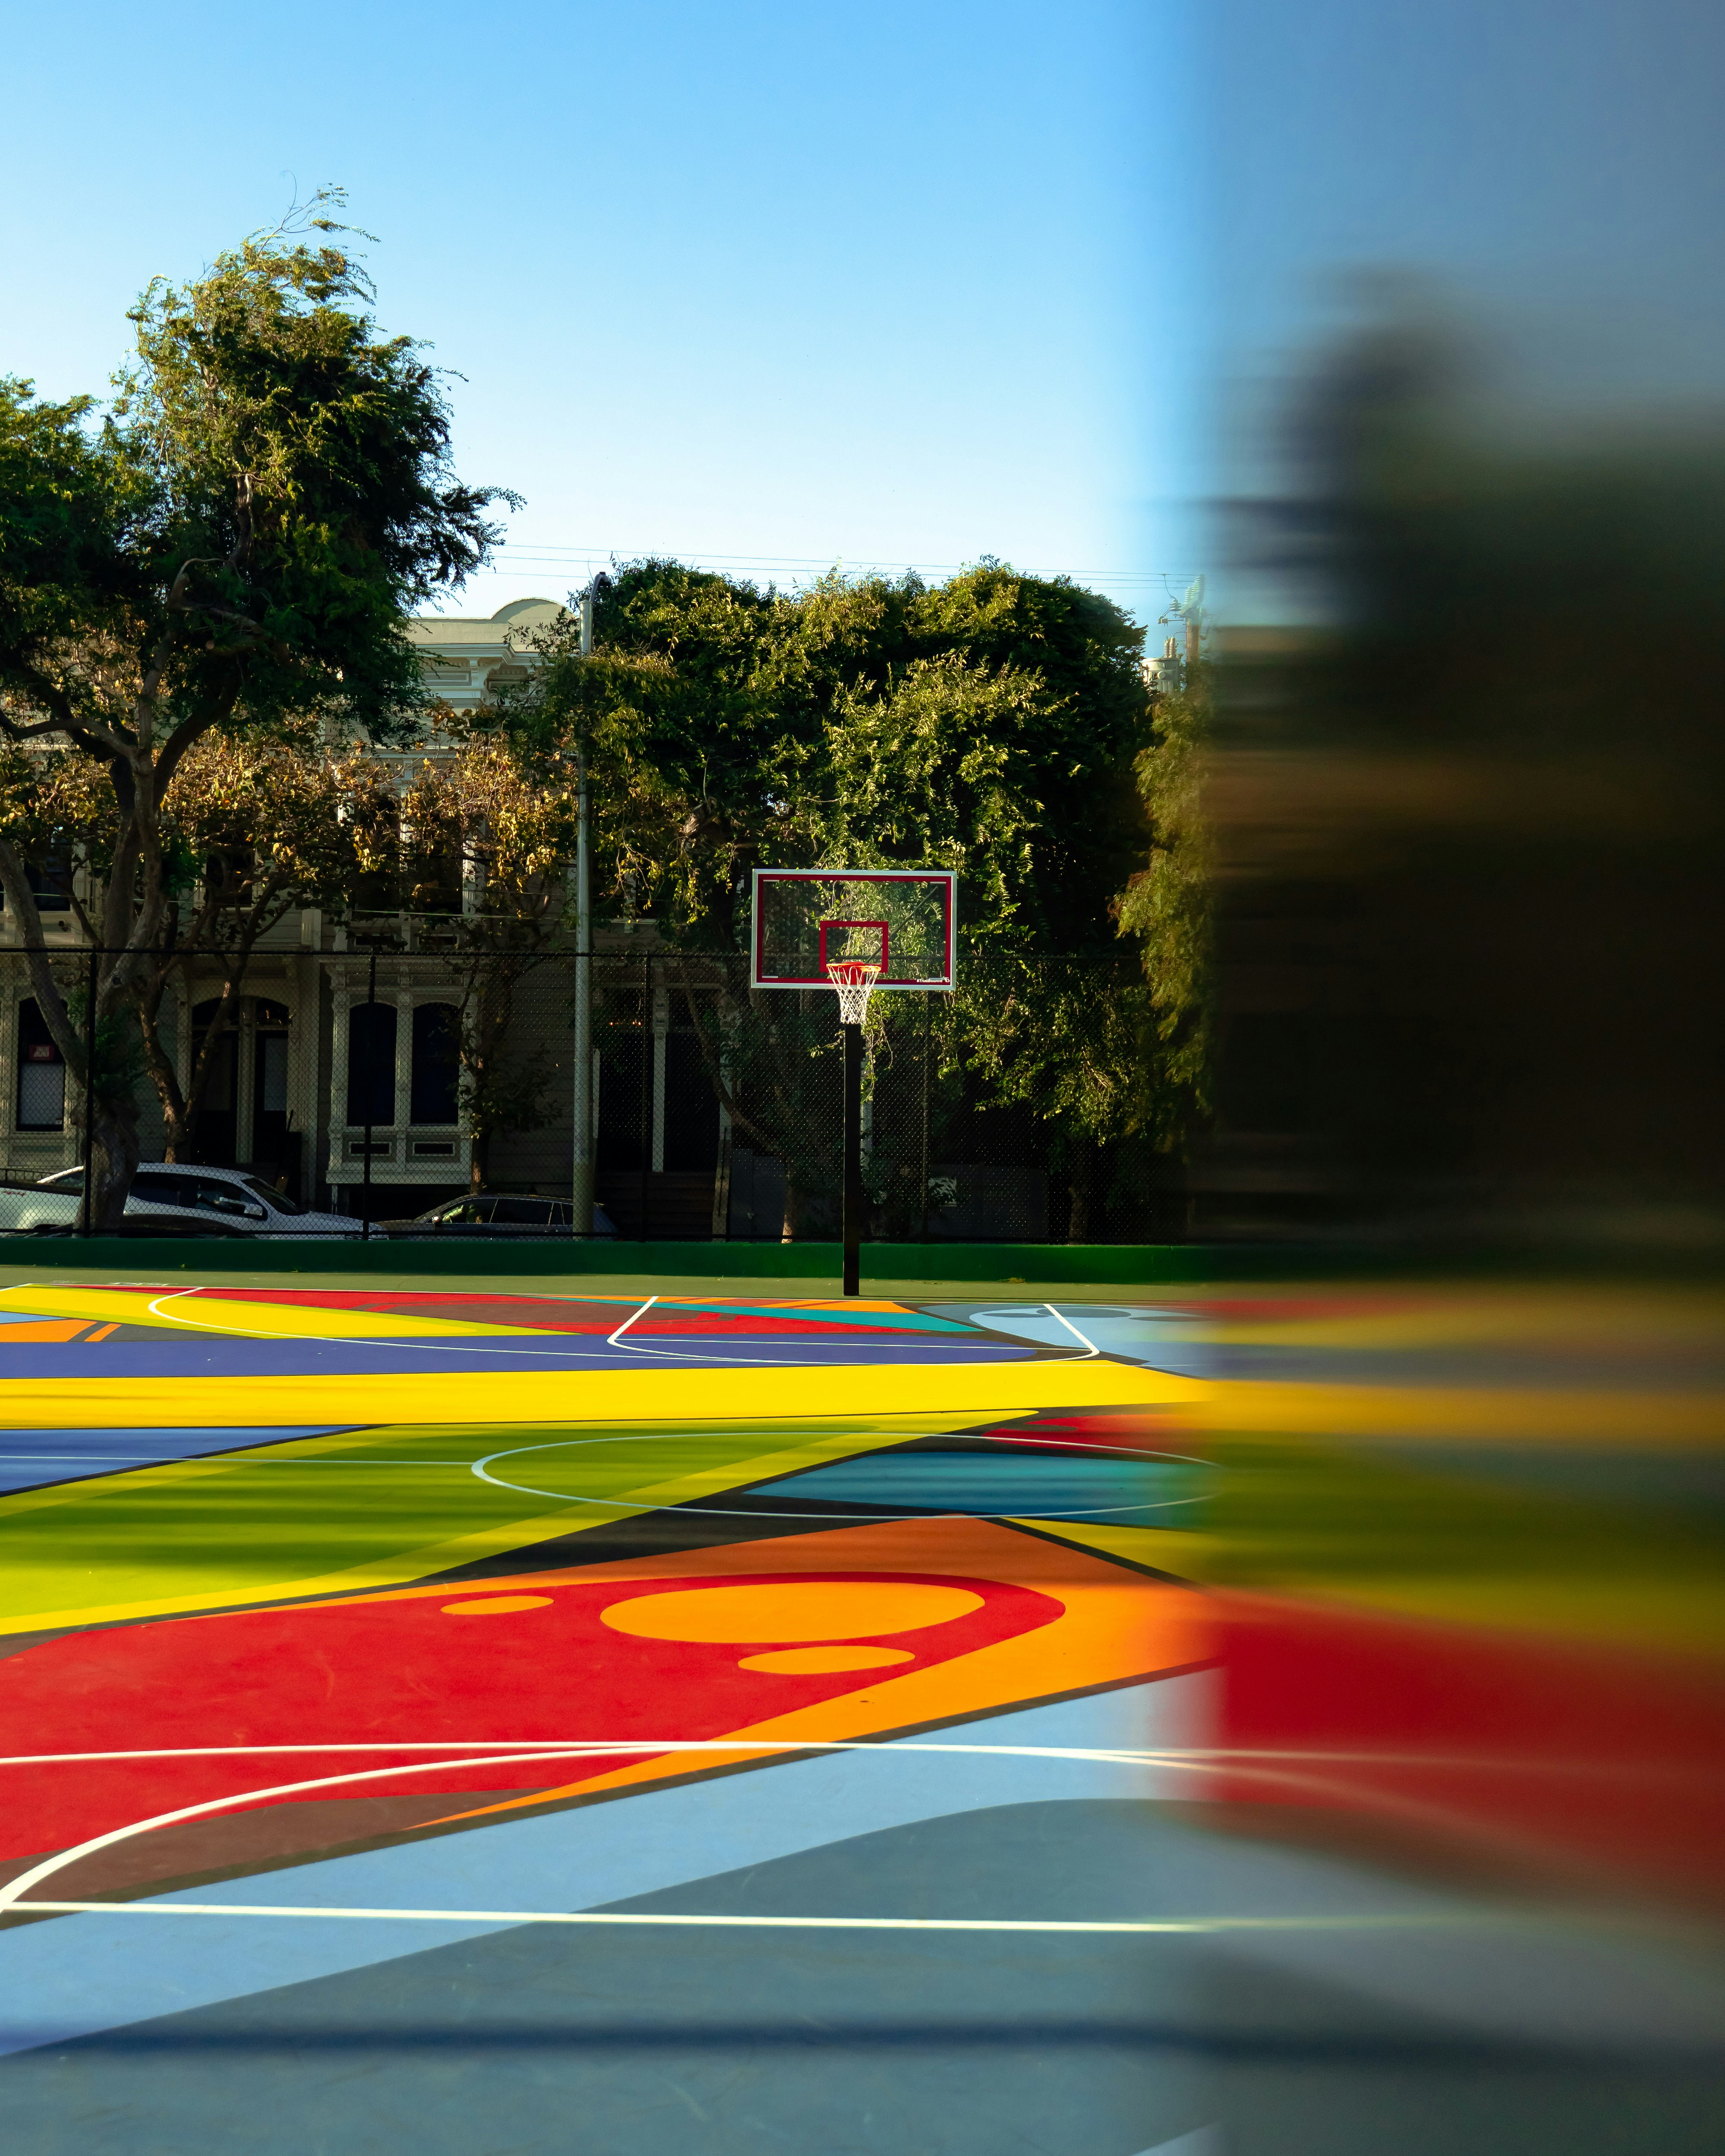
pixel 1471 816
pixel 1466 789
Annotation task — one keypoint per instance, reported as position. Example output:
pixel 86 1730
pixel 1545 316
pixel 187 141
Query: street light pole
pixel 87 1210
pixel 582 1178
pixel 365 1173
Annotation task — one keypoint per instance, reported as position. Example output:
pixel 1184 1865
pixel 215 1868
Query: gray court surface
pixel 730 2043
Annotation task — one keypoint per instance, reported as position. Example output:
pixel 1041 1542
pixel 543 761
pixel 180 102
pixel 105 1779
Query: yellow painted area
pixel 824 1662
pixel 182 1310
pixel 1511 1414
pixel 496 1605
pixel 791 1609
pixel 564 1396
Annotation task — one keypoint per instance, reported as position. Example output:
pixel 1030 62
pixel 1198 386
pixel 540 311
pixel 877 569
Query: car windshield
pixel 69 1179
pixel 271 1196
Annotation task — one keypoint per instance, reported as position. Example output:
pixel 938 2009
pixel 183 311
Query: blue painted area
pixel 1037 1486
pixel 31 1458
pixel 77 1974
pixel 1159 1339
pixel 207 1355
pixel 556 2042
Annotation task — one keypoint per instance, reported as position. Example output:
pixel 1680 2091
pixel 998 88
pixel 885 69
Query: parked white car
pixel 165 1200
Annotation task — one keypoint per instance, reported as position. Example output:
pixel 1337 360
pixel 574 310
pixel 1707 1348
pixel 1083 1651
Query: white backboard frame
pixel 944 880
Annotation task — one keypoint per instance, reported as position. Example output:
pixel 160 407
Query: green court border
pixel 1122 1264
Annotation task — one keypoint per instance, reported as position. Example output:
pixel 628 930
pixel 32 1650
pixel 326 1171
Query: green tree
pixel 235 544
pixel 504 808
pixel 1169 904
pixel 987 725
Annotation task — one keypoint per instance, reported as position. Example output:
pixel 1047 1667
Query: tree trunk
pixel 113 1163
pixel 1081 1175
pixel 176 1115
pixel 796 1211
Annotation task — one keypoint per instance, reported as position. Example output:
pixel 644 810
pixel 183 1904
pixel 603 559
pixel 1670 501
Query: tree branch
pixel 21 901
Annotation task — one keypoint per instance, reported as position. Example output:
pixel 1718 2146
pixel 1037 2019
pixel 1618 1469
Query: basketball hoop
pixel 855 979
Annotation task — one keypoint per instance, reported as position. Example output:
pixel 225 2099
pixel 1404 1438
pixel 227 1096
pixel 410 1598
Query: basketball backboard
pixel 903 920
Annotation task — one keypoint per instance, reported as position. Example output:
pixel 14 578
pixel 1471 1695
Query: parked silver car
pixel 165 1200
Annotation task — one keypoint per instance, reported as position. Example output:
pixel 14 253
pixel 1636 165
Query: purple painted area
pixel 195 1355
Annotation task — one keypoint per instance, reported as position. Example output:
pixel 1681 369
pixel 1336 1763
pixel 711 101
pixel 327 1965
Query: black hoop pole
pixel 852 1158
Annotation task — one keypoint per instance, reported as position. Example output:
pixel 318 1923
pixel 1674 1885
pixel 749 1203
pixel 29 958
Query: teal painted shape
pixel 989 1485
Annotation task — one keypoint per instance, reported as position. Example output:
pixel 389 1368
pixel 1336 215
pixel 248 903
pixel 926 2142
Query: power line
pixel 550 556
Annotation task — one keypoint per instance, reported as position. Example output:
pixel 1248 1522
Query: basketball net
pixel 855 980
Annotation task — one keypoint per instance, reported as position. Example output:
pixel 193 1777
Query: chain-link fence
pixel 424 1083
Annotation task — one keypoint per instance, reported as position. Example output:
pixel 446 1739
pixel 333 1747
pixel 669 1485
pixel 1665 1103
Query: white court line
pixel 538 1751
pixel 471 1346
pixel 1090 1346
pixel 14 1889
pixel 1193 1757
pixel 173 1459
pixel 1420 1920
pixel 567 1355
pixel 685 1355
pixel 548 1748
pixel 1025 1443
pixel 615 1338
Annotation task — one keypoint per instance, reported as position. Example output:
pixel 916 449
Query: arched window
pixel 437 1062
pixel 370 1063
pixel 41 1073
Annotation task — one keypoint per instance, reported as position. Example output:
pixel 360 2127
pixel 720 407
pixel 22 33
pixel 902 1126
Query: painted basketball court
pixel 487 1721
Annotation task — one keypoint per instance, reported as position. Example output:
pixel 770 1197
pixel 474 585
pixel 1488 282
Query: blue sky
pixel 808 283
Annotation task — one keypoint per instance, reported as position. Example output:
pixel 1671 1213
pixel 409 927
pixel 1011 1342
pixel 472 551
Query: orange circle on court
pixel 496 1605
pixel 818 1661
pixel 789 1609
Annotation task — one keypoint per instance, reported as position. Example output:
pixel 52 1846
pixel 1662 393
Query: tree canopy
pixel 987 725
pixel 992 725
pixel 233 543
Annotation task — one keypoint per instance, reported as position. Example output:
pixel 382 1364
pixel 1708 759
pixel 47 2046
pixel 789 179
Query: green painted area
pixel 1626 1545
pixel 322 1514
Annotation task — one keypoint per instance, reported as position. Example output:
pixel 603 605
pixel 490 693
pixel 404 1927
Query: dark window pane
pixel 277 1200
pixel 370 1063
pixel 50 881
pixel 41 1073
pixel 691 1107
pixel 525 1212
pixel 436 1063
pixel 211 1197
pixel 152 1188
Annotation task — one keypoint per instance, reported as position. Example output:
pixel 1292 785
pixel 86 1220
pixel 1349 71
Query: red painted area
pixel 397 1668
pixel 1553 1753
pixel 1157 1433
pixel 551 1316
